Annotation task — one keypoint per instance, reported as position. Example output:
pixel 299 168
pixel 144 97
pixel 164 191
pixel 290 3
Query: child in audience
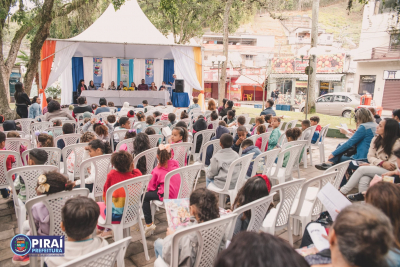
pixel 111 119
pixel 149 120
pixel 292 134
pixel 22 148
pixel 241 135
pixel 240 121
pixel 248 147
pixel 217 172
pixel 179 135
pixel 275 134
pixel 95 148
pixel 92 124
pixel 141 143
pixel 199 125
pixel 213 117
pixel 145 103
pixel 111 104
pixel 194 105
pixel 150 131
pixel 128 135
pixel 222 123
pixel 45 140
pixel 268 119
pixel 260 130
pixel 256 187
pixel 259 121
pixel 124 124
pixel 184 115
pixel 10 160
pixel 203 207
pixel 210 149
pixel 157 114
pixel 102 130
pixel 122 161
pixel 155 189
pixel 36 157
pixel 85 138
pixel 78 220
pixel 140 124
pixel 304 125
pixel 314 120
pixel 57 123
pixel 67 128
pixel 172 120
pixel 130 114
pixel 164 117
pixel 230 117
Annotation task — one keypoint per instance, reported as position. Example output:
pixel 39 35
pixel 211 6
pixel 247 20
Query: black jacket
pixel 79 89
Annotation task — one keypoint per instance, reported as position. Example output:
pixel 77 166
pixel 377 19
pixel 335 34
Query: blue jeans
pixel 158 244
pixel 208 181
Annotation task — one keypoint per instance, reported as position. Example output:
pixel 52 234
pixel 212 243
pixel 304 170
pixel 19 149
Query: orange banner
pixel 47 53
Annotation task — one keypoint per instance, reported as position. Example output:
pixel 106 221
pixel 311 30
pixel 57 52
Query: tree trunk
pixel 313 61
pixel 221 86
pixel 5 109
pixel 37 43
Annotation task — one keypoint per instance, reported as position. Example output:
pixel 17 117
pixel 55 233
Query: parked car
pixel 337 104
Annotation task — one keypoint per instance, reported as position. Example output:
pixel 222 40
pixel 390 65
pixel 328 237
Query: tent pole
pixel 202 77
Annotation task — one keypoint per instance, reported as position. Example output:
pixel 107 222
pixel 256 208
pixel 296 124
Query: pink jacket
pixel 157 181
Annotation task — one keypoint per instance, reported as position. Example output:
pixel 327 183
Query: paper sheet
pixel 316 231
pixel 332 199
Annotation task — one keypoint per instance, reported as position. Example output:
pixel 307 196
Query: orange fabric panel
pixel 48 50
pixel 197 64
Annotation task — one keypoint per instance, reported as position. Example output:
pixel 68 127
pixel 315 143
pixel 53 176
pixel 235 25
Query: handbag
pixel 351 151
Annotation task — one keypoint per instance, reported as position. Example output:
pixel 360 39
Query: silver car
pixel 337 104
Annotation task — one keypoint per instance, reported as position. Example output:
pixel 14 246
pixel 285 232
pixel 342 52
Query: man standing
pixel 120 86
pixel 143 86
pixel 269 109
pixel 173 83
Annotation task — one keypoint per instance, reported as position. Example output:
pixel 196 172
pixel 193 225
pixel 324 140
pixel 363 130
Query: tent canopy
pixel 250 80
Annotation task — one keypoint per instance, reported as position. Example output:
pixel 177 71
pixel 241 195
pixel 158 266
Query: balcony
pixel 387 52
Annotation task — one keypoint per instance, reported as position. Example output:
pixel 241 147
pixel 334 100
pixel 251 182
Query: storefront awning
pixel 303 77
pixel 250 80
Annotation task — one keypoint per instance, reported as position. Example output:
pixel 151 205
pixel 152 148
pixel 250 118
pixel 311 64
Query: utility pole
pixel 313 59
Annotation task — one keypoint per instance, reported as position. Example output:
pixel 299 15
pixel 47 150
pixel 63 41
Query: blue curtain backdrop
pixel 168 70
pixel 77 71
pixel 130 72
pixel 118 71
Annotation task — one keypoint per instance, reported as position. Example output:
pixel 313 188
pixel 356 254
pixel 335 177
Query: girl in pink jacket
pixel 155 189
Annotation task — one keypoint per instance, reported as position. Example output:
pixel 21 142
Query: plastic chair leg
pixel 119 235
pixel 289 231
pixel 221 200
pixel 309 148
pixel 141 229
pixel 21 211
pixel 153 210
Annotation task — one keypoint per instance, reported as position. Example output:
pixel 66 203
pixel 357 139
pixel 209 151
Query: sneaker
pixel 356 197
pixel 323 166
pixel 21 260
pixel 149 230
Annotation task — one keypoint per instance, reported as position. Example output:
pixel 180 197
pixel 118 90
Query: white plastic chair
pixel 54 204
pixel 309 131
pixel 320 143
pixel 162 123
pixel 302 143
pixel 216 147
pixel 30 176
pixel 232 131
pixel 252 138
pixel 134 189
pixel 103 257
pixel 129 144
pixel 181 152
pixel 341 169
pixel 259 209
pixel 14 144
pixel 139 127
pixel 155 139
pixel 289 125
pixel 282 174
pixel 25 126
pixel 209 236
pixel 113 110
pixel 3 168
pixel 78 150
pixel 188 176
pixel 121 135
pixel 104 115
pixel 305 210
pixel 267 159
pixel 279 218
pixel 53 156
pixel 214 124
pixel 206 136
pixel 39 118
pixel 39 126
pixel 151 159
pixel 21 133
pixel 102 166
pixel 69 139
pixel 243 164
pixel 282 140
pixel 56 131
pixel 58 118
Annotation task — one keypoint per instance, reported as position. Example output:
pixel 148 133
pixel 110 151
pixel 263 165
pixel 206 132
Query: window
pixel 340 98
pixel 249 57
pixel 327 98
pixel 348 100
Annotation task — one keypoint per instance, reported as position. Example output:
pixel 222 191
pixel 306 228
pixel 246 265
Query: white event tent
pixel 121 34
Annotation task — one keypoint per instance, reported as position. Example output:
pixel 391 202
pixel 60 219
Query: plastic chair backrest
pixel 58 118
pixel 25 125
pixel 69 139
pixel 287 193
pixel 243 163
pixel 121 135
pixel 206 134
pixel 56 131
pixel 53 156
pixel 265 138
pixel 295 143
pixel 188 176
pixel 268 158
pixel 103 257
pixel 232 131
pixel 216 147
pixel 79 150
pixel 139 126
pixel 3 168
pixel 310 131
pixel 181 152
pixel 323 134
pixel 21 133
pixel 151 159
pixel 214 124
pixel 209 236
pixel 282 140
pixel 162 123
pixel 30 175
pixel 102 166
pixel 39 126
pixel 54 204
pixel 134 189
pixel 129 144
pixel 14 144
pixel 294 152
pixel 341 169
pixel 157 128
pixel 155 139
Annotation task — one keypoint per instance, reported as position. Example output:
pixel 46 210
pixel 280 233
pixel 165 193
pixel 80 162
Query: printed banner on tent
pixel 124 72
pixel 149 77
pixel 97 72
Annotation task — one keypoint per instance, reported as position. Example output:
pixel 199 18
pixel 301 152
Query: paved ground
pixel 135 252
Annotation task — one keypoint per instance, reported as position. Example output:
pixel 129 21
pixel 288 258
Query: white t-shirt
pixel 75 250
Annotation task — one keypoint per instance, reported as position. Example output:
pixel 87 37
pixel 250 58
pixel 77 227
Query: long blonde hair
pixel 211 104
pixel 364 115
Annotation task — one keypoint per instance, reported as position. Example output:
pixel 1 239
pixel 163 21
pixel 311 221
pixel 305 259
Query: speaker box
pixel 179 85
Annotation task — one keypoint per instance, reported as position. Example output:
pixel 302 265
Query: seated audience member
pixel 94 107
pixel 223 106
pixel 128 135
pixel 82 106
pixel 157 114
pixel 9 125
pixel 213 117
pixel 140 124
pixel 292 134
pixel 172 120
pixel 153 86
pixel 155 189
pixel 396 115
pixel 259 121
pixel 149 120
pixel 87 137
pixel 130 114
pixel 376 116
pixel 231 118
pixel 111 119
pixel 95 148
pixel 162 87
pixel 92 124
pixel 198 126
pixel 194 105
pixel 381 157
pixel 125 108
pixel 228 106
pixel 248 147
pixel 54 111
pixel 210 149
pixel 259 249
pixel 275 134
pixel 260 130
pixel 185 115
pixel 203 207
pixel 255 188
pixel 314 120
pixel 78 220
pixel 141 143
pixel 67 128
pixel 305 124
pixel 102 88
pixel 111 104
pixel 211 105
pixel 103 106
pixel 269 111
pixel 241 135
pixel 217 171
pixel 35 109
pixel 145 103
pixel 112 86
pixel 48 100
pixel 45 140
pixel 268 119
pixel 143 86
pixel 124 124
pixel 121 86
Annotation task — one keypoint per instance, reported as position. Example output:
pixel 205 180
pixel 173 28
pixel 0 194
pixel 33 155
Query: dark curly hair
pixel 104 146
pixel 181 124
pixel 150 120
pixel 261 128
pixel 140 115
pixel 163 156
pixel 57 181
pixel 100 130
pixel 140 144
pixel 53 106
pixel 293 133
pixel 122 161
pixel 130 134
pixel 150 131
pixel 206 204
pixel 184 115
pixel 182 132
